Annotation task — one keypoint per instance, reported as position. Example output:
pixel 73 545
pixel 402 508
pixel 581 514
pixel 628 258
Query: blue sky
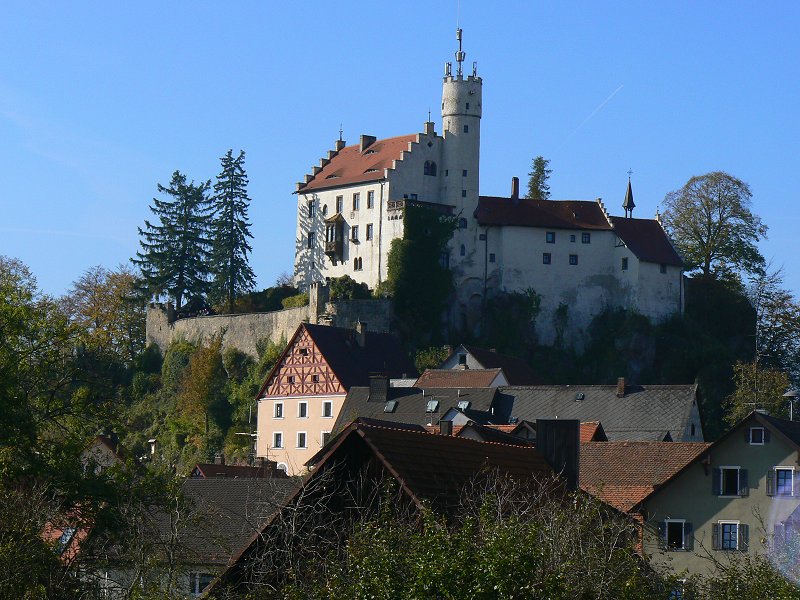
pixel 99 102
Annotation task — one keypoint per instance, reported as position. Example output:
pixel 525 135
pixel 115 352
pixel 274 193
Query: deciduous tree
pixel 712 225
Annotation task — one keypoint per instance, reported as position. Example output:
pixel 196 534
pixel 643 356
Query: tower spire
pixel 628 203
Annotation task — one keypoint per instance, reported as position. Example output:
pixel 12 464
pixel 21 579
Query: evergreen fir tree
pixel 175 252
pixel 230 230
pixel 538 188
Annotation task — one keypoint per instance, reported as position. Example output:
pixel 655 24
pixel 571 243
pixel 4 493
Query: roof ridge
pixel 426 432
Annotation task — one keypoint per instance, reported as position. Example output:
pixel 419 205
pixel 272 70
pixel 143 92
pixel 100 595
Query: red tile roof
pixel 592 431
pixel 455 378
pixel 350 165
pixel 647 240
pixel 625 473
pixel 556 214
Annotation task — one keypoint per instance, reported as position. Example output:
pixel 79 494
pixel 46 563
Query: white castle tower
pixel 461 129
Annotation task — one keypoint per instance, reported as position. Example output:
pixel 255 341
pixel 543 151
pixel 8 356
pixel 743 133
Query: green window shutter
pixel 744 537
pixel 771 482
pixel 766 435
pixel 744 488
pixel 662 535
pixel 716 533
pixel 716 482
pixel 796 486
pixel 688 536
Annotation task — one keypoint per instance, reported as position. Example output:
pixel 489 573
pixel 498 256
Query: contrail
pixel 593 113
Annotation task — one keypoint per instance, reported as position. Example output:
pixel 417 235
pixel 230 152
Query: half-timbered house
pixel 302 396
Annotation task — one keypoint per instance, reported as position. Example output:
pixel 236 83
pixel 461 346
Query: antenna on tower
pixel 460 55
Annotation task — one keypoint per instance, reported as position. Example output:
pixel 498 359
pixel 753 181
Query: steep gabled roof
pixel 625 473
pixel 352 364
pixel 554 214
pixel 516 370
pixel 410 404
pixel 643 413
pixel 647 240
pixel 454 378
pixel 351 165
pixel 592 431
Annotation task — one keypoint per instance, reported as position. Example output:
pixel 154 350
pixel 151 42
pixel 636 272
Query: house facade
pixel 734 499
pixel 573 253
pixel 303 395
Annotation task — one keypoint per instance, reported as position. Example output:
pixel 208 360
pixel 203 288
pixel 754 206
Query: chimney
pixel 378 388
pixel 340 144
pixel 361 334
pixel 515 188
pixel 558 440
pixel 219 459
pixel 446 427
pixel 621 387
pixel 367 141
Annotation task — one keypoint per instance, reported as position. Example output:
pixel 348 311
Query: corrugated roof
pixel 644 413
pixel 555 214
pixel 455 378
pixel 351 165
pixel 516 370
pixel 625 473
pixel 647 240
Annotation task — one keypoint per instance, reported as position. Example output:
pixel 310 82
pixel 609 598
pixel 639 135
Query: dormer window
pixel 432 406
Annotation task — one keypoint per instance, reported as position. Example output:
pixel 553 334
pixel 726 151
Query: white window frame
pixel 302 403
pixel 750 436
pixel 276 433
pixel 683 534
pixel 275 407
pixel 322 437
pixel 722 534
pixel 305 440
pixel 329 403
pixel 722 493
pixel 791 480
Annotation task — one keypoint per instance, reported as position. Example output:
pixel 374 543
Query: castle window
pixel 547 258
pixel 463 193
pixel 463 250
pixel 311 210
pixel 339 204
pixel 355 264
pixel 573 259
pixel 462 223
pixel 370 198
pixel 354 233
pixel 572 238
pixel 491 257
pixel 310 239
pixel 446 172
pixel 550 237
pixel 467 105
pixel 369 231
pixel 586 238
pixel 625 263
pixel 429 168
pixel 356 199
pixel 360 263
pixel 466 128
pixel 464 173
pixel 663 268
pixel 324 209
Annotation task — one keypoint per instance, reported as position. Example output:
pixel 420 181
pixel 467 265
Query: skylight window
pixel 463 404
pixel 432 406
pixel 390 406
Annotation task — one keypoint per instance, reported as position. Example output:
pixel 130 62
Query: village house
pixel 515 370
pixel 302 396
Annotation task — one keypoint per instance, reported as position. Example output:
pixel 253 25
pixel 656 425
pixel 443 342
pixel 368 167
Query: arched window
pixel 360 263
pixel 355 264
pixel 430 167
pixel 463 250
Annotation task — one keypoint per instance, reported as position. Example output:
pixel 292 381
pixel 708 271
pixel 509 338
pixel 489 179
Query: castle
pixel 572 253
